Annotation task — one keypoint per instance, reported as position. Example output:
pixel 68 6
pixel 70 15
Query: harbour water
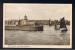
pixel 49 36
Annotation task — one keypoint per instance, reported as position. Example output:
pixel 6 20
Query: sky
pixel 36 11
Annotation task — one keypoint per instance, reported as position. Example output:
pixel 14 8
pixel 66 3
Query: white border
pixel 37 46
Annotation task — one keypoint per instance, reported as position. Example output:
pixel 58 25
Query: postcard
pixel 27 25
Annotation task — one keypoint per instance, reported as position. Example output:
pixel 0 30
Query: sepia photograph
pixel 27 25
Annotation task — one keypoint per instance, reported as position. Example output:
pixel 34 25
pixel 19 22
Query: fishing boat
pixel 63 26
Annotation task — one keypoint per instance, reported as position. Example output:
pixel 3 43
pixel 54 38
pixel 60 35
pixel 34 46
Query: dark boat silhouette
pixel 63 27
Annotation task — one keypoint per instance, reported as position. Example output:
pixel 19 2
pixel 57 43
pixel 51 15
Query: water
pixel 49 36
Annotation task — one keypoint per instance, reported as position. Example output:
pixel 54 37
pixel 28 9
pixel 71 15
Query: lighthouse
pixel 23 21
pixel 25 17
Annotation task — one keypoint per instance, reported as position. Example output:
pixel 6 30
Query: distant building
pixel 27 22
pixel 11 22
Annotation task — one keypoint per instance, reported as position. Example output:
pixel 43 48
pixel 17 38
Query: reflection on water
pixel 49 36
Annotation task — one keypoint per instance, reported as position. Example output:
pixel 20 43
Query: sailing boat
pixel 63 27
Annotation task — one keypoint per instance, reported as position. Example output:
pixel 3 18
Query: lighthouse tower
pixel 25 17
pixel 23 21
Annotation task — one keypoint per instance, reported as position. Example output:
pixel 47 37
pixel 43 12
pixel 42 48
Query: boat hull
pixel 25 28
pixel 63 29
